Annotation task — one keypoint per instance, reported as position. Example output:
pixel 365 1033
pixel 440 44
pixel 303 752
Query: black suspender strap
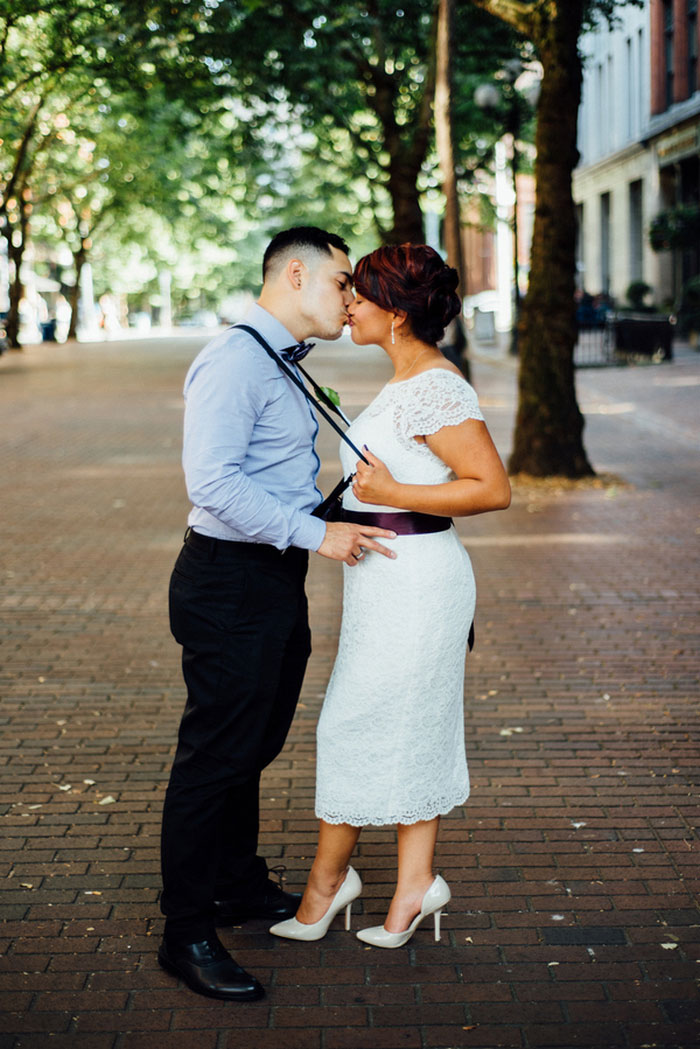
pixel 322 395
pixel 297 382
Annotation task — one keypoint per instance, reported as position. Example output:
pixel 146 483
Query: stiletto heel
pixel 293 929
pixel 434 900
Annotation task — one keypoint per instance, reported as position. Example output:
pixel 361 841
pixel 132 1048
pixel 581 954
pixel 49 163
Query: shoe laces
pixel 279 871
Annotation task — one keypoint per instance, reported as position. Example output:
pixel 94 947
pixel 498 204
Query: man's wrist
pixel 310 532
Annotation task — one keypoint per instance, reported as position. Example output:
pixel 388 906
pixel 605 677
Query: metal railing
pixel 595 346
pixel 624 338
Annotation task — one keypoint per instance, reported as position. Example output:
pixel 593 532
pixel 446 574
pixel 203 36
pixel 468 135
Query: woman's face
pixel 368 322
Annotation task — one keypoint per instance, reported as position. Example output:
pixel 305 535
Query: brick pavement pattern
pixel 574 866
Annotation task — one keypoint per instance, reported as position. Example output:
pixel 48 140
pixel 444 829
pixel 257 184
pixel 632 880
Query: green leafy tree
pixel 360 78
pixel 133 158
pixel 676 228
pixel 55 60
pixel 212 111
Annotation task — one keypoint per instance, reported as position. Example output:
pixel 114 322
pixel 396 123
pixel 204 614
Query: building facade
pixel 639 144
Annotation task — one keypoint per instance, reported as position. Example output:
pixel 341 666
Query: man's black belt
pixel 223 547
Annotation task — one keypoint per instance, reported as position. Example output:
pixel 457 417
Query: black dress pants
pixel 239 611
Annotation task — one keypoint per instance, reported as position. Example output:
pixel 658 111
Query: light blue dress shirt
pixel 248 449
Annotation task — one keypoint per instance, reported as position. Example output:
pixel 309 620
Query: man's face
pixel 327 295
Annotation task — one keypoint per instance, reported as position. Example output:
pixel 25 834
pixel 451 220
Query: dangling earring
pixel 393 340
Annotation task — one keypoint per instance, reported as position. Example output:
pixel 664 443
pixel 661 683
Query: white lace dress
pixel 391 733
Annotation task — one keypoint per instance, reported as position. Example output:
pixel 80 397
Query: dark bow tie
pixel 298 352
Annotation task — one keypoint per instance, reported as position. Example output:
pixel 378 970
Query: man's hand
pixel 347 542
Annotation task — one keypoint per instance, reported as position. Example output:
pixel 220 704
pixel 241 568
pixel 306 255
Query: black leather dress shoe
pixel 269 902
pixel 207 968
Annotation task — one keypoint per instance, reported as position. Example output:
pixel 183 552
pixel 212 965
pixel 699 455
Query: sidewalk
pixel 574 866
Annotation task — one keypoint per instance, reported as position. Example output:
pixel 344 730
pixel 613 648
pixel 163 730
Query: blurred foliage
pixel 87 130
pixel 149 135
pixel 636 293
pixel 676 228
pixel 359 78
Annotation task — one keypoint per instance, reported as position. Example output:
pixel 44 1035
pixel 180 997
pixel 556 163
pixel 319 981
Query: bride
pixel 391 732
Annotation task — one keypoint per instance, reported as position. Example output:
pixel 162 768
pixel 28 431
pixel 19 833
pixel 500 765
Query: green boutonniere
pixel 332 395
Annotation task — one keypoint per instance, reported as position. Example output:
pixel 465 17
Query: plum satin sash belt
pixel 407 523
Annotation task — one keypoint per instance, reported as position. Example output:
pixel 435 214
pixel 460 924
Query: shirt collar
pixel 273 330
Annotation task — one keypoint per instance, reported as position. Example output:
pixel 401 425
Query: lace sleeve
pixel 437 398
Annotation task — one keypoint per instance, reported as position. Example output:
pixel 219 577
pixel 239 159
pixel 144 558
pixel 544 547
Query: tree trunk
pixel 15 254
pixel 549 425
pixel 407 147
pixel 444 140
pixel 452 231
pixel 16 293
pixel 79 257
pixel 405 201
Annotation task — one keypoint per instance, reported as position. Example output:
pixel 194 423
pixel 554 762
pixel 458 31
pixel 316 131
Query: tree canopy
pixel 227 120
pixel 360 79
pixel 102 111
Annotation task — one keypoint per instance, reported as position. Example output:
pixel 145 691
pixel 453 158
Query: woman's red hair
pixel 411 279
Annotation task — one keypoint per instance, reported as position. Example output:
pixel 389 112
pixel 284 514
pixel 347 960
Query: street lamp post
pixel 513 127
pixel 493 97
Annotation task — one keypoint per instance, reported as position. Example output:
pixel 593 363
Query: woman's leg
pixel 416 852
pixel 335 846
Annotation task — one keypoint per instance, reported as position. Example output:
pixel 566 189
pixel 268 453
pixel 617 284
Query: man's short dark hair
pixel 298 239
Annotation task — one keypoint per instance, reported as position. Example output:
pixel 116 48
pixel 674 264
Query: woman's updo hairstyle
pixel 412 279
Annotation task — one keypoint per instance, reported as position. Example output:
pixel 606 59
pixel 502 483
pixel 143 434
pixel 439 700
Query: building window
pixel 668 50
pixel 611 121
pixel 692 46
pixel 605 243
pixel 636 228
pixel 631 93
pixel 600 111
pixel 580 267
pixel 641 82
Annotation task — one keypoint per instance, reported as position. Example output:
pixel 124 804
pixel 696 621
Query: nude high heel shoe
pixel 434 900
pixel 292 929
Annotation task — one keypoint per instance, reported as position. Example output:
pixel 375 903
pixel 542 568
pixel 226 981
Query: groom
pixel 238 606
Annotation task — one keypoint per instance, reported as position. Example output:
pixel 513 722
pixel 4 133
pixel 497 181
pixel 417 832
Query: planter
pixel 645 335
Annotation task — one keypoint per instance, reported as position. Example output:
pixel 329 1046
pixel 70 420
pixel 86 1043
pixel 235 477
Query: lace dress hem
pixel 439 807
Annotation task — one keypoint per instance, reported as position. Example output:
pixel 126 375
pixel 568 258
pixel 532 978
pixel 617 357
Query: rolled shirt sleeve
pixel 248 448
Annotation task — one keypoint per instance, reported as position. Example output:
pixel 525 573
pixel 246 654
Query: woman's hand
pixel 480 481
pixel 374 482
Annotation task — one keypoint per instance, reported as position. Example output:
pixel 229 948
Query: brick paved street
pixel 574 866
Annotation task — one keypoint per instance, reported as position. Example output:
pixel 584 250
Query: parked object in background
pixel 484 325
pixel 644 334
pixel 607 335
